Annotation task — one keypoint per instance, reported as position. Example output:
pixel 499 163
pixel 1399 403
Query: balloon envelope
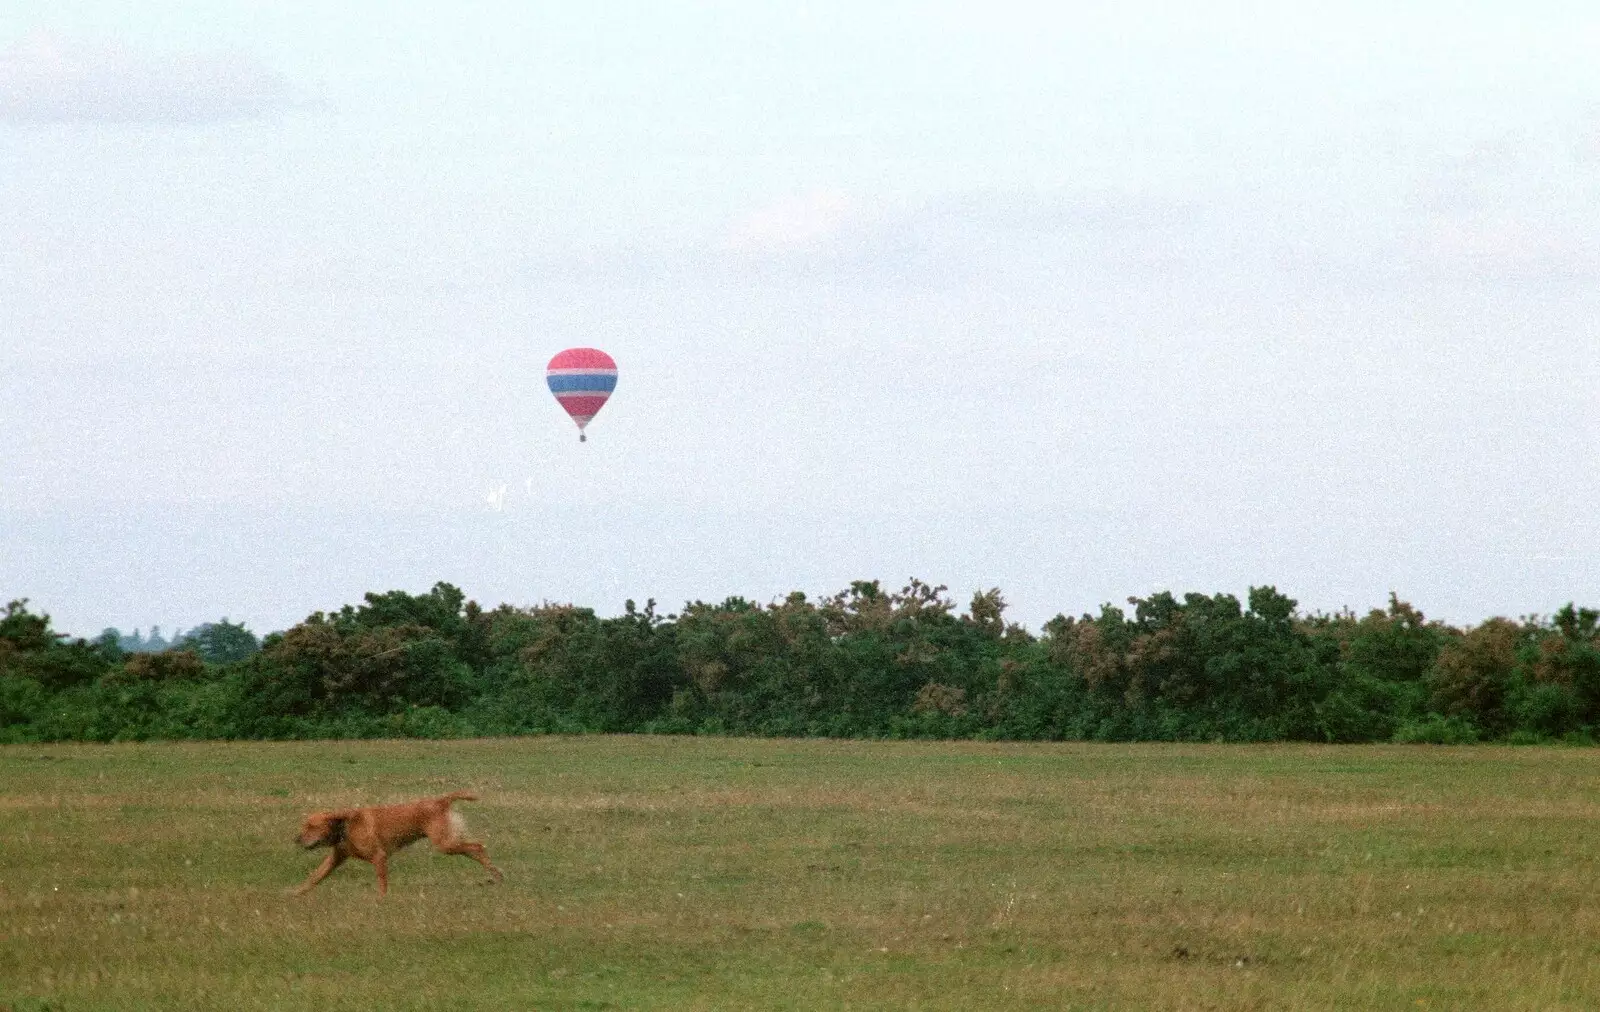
pixel 581 379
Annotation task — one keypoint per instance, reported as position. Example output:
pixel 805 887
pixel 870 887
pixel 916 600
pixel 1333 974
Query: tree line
pixel 865 662
pixel 215 641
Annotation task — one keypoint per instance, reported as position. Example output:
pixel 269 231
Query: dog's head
pixel 323 829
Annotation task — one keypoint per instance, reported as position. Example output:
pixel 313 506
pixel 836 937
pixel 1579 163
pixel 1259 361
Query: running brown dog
pixel 372 834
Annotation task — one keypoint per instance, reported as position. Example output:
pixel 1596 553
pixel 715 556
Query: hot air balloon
pixel 581 379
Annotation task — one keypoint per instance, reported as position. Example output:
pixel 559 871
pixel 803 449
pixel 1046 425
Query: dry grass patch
pixel 715 873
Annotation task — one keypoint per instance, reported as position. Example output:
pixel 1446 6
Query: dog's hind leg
pixel 475 851
pixel 447 839
pixel 332 861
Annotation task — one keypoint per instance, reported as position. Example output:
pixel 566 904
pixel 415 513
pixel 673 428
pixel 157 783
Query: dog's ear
pixel 336 824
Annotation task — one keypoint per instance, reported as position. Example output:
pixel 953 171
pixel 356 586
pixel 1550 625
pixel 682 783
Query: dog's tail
pixel 460 796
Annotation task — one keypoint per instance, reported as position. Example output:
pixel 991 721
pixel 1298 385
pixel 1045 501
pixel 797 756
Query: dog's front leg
pixel 332 861
pixel 381 862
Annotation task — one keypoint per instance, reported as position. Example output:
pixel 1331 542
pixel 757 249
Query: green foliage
pixel 23 631
pixel 221 642
pixel 1436 730
pixel 395 653
pixel 865 662
pixel 1473 674
pixel 1396 645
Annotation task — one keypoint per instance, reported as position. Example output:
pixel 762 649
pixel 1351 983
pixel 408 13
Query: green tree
pixel 1473 673
pixel 221 642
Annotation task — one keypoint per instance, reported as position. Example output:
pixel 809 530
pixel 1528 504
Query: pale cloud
pixel 1507 242
pixel 996 238
pixel 46 79
pixel 793 223
pixel 990 237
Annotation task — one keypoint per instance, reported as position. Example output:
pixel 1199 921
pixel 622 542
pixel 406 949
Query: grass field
pixel 726 873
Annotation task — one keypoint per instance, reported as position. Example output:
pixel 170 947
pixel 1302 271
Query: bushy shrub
pixel 866 662
pixel 1437 730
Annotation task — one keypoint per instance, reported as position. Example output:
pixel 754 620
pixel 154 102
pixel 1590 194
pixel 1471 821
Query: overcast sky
pixel 1078 301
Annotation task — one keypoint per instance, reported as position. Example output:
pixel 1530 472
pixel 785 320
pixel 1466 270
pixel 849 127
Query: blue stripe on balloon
pixel 594 382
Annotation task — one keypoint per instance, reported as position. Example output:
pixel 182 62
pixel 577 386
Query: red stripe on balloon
pixel 587 404
pixel 582 358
